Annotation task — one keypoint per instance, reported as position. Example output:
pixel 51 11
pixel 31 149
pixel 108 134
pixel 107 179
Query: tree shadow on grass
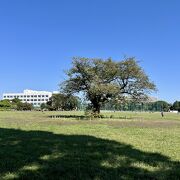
pixel 78 117
pixel 44 155
pixel 83 117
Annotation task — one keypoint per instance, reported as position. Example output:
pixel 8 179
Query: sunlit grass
pixel 35 146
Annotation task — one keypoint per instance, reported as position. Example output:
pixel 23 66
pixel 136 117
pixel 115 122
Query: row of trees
pixel 57 102
pixel 135 106
pixel 64 102
pixel 15 104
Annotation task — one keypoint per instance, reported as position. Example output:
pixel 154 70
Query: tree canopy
pixel 176 106
pixel 101 80
pixel 15 104
pixel 61 102
pixel 129 105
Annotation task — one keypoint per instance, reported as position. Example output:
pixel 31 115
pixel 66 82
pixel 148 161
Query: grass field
pixel 135 146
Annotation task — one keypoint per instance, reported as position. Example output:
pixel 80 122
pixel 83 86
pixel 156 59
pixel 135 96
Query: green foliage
pixel 135 106
pixel 43 106
pixel 5 104
pixel 176 106
pixel 15 104
pixel 63 102
pixel 16 101
pixel 24 106
pixel 101 80
pixel 162 106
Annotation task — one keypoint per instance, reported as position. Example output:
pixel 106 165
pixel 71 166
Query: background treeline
pixel 15 104
pixel 69 102
pixel 64 102
pixel 146 106
pixel 56 102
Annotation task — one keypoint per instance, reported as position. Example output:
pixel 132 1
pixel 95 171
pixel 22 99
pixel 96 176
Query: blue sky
pixel 38 39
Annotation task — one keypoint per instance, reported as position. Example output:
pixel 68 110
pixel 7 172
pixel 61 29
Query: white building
pixel 36 98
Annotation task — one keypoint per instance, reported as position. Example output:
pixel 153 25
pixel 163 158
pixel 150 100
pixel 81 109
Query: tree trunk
pixel 96 105
pixel 96 108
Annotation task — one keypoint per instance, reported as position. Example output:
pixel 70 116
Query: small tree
pixel 24 106
pixel 43 106
pixel 176 106
pixel 101 80
pixel 161 106
pixel 62 102
pixel 5 104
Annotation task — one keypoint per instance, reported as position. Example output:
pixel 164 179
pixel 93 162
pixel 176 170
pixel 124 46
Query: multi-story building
pixel 36 98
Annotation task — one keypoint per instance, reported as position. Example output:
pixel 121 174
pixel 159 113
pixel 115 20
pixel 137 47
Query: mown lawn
pixel 135 146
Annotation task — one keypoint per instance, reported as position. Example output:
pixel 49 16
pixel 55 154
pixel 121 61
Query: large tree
pixel 101 80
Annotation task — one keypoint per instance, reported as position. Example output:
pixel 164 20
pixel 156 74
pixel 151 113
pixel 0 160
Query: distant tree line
pixel 69 102
pixel 136 106
pixel 56 102
pixel 15 104
pixel 143 106
pixel 63 102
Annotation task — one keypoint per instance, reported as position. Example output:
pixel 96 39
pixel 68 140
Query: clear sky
pixel 38 39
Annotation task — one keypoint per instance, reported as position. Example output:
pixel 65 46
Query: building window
pixel 35 95
pixel 42 100
pixel 42 95
pixel 39 100
pixel 35 99
pixel 46 95
pixel 39 95
pixel 31 99
pixel 28 96
pixel 32 96
pixel 4 96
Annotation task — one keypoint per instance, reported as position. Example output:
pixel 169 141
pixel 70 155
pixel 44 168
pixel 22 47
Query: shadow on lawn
pixel 83 117
pixel 77 117
pixel 44 155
